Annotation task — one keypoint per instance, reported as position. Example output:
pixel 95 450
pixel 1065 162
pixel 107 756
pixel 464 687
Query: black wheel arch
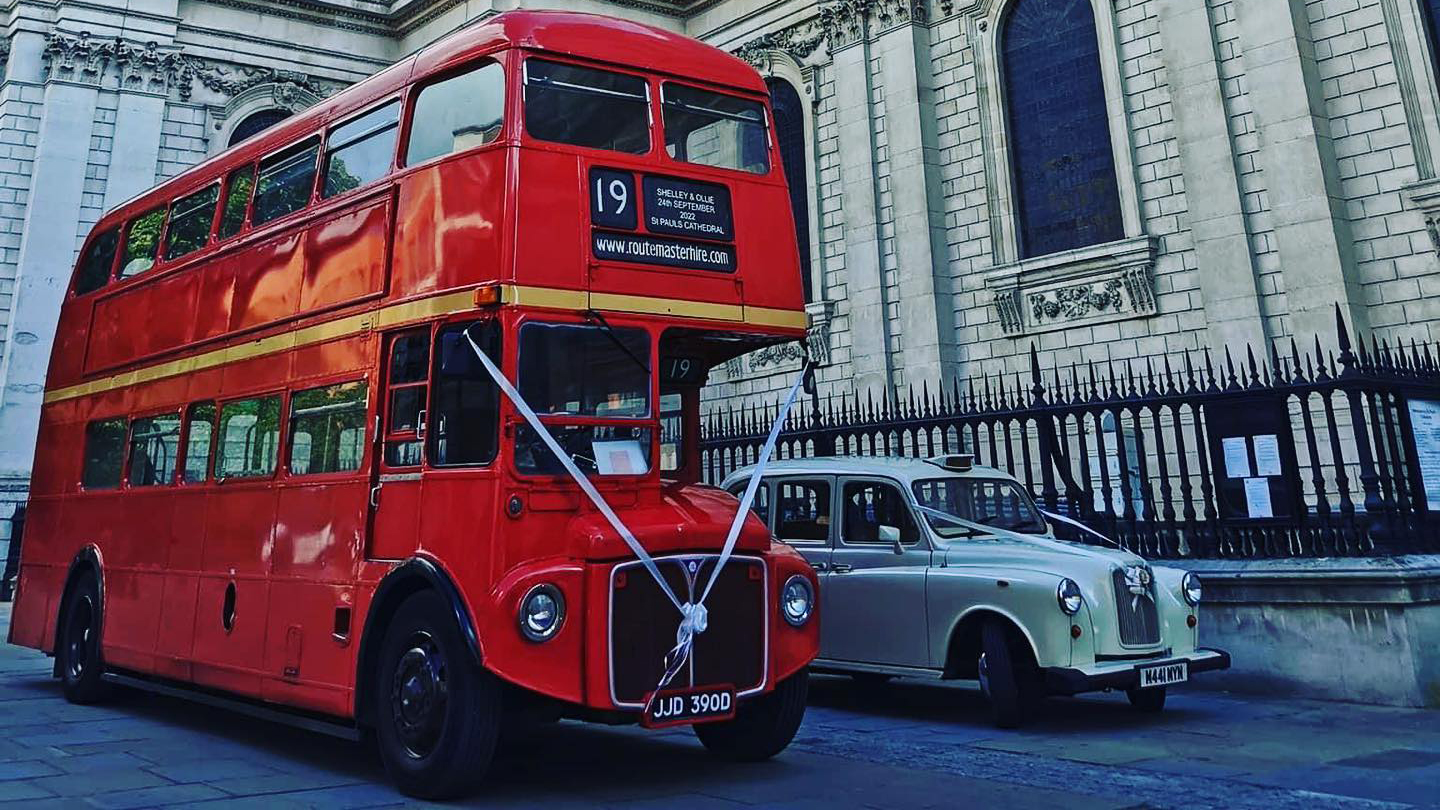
pixel 963 655
pixel 412 576
pixel 86 561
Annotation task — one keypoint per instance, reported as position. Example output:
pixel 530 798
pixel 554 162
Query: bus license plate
pixel 675 707
pixel 1164 675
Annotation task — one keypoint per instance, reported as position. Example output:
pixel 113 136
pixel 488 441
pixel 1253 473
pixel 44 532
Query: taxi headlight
pixel 1068 595
pixel 1190 589
pixel 542 611
pixel 797 600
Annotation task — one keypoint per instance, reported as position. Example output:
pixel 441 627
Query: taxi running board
pixel 318 724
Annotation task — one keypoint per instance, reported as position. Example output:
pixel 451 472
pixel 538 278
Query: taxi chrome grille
pixel 1135 606
pixel 731 651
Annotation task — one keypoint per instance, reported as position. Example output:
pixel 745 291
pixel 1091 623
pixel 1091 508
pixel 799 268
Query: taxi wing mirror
pixel 891 535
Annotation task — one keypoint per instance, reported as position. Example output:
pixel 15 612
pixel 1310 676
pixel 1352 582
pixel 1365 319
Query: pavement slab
pixel 907 744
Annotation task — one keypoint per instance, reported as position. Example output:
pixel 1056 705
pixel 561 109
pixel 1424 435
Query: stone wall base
pixel 1363 630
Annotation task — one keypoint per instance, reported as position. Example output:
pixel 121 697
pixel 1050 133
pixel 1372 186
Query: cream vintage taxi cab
pixel 939 568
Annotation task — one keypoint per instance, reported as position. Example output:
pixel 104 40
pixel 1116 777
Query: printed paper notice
pixel 1257 498
pixel 1267 454
pixel 1237 457
pixel 1425 420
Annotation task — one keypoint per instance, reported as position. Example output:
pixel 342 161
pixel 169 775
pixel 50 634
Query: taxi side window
pixel 868 505
pixel 803 511
pixel 760 505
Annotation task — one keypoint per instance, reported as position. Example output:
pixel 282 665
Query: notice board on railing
pixel 1252 458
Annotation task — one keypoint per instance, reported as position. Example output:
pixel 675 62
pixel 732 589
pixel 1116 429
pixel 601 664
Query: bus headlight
pixel 1069 597
pixel 797 600
pixel 542 611
pixel 1190 588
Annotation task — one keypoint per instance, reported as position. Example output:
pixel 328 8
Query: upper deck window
pixel 237 200
pixel 142 241
pixel 714 129
pixel 285 181
pixel 587 107
pixel 190 219
pixel 360 151
pixel 458 113
pixel 97 262
pixel 573 370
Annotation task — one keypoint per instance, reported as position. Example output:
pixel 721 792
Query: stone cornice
pixel 848 21
pixel 143 68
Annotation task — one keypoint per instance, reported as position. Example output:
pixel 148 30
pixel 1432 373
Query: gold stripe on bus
pixel 432 307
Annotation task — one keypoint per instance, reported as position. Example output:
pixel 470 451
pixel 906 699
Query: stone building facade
pixel 1106 179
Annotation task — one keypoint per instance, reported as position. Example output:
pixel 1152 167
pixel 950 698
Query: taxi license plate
pixel 1164 675
pixel 675 707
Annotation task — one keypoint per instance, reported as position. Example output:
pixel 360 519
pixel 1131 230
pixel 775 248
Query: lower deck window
pixel 327 429
pixel 104 454
pixel 249 437
pixel 154 446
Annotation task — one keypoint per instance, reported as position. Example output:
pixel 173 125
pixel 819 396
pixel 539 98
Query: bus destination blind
pixel 672 208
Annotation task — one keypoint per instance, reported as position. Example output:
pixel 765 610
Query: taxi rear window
pixel 587 107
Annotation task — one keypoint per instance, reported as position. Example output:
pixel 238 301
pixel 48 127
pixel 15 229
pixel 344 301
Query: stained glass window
pixel 1065 190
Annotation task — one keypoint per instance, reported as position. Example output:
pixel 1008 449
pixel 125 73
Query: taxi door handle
pixel 820 566
pixel 841 568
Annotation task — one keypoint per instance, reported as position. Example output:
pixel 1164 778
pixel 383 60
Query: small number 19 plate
pixel 675 707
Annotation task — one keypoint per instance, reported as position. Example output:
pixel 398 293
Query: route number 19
pixel 612 199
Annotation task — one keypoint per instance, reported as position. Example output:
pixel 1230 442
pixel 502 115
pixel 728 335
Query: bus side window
pixel 104 453
pixel 98 261
pixel 199 432
pixel 190 220
pixel 286 182
pixel 458 113
pixel 249 438
pixel 465 416
pixel 237 199
pixel 154 445
pixel 327 429
pixel 142 242
pixel 360 151
pixel 406 381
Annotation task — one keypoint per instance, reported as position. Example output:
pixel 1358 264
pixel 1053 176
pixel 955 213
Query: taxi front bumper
pixel 1125 674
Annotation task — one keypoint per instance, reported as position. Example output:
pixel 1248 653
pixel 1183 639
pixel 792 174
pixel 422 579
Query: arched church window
pixel 1065 188
pixel 1431 10
pixel 790 136
pixel 255 122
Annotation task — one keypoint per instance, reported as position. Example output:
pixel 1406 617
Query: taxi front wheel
pixel 1009 679
pixel 762 727
pixel 1147 700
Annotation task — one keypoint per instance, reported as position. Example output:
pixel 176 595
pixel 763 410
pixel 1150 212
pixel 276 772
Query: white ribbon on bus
pixel 694 618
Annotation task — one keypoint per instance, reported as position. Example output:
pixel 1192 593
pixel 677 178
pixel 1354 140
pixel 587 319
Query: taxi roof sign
pixel 957 462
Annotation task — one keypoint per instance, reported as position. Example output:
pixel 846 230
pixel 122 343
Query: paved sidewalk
pixel 905 745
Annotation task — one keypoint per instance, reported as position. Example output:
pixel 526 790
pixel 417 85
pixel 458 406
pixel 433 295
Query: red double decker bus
pixel 387 418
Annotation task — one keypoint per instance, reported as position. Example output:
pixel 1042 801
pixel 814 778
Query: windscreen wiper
pixel 610 333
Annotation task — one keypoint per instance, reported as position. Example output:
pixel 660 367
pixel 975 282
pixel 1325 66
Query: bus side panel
pixel 267 281
pixel 449 223
pixel 142 320
pixel 134 563
pixel 37 605
pixel 346 256
pixel 175 643
pixel 551 220
pixel 67 355
pixel 239 524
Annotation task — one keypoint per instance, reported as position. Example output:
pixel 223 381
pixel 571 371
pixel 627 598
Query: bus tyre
pixel 78 648
pixel 1147 700
pixel 437 712
pixel 762 727
pixel 1009 681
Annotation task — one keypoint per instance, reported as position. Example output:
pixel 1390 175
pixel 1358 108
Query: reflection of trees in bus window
pixel 587 107
pixel 327 428
pixel 200 425
pixel 141 242
pixel 249 435
pixel 465 407
pixel 104 454
pixel 285 182
pixel 714 129
pixel 585 370
pixel 97 262
pixel 190 219
pixel 154 445
pixel 458 113
pixel 237 199
pixel 360 151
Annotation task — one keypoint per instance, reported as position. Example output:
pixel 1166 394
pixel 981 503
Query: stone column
pixel 869 326
pixel 1312 229
pixel 926 301
pixel 1226 273
pixel 138 120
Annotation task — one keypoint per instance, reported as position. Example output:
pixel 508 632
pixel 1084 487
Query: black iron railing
pixel 1298 454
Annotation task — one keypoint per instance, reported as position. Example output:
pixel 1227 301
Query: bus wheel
pixel 78 647
pixel 761 728
pixel 438 713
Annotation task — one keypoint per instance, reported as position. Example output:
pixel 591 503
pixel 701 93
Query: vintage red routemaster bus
pixel 277 463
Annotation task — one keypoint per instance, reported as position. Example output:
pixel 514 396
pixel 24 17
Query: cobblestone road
pixel 905 745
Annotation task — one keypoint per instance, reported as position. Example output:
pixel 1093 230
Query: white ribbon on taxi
pixel 694 618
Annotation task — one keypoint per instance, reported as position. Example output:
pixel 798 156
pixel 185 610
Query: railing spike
pixel 1210 382
pixel 1347 357
pixel 1254 371
pixel 1295 358
pixel 1150 376
pixel 1230 369
pixel 1189 374
pixel 1169 376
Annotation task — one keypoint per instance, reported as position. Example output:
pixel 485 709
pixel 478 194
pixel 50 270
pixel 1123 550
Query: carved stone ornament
pixel 1090 285
pixel 798 42
pixel 817 334
pixel 144 68
pixel 233 81
pixel 847 21
pixel 777 355
pixel 1425 196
